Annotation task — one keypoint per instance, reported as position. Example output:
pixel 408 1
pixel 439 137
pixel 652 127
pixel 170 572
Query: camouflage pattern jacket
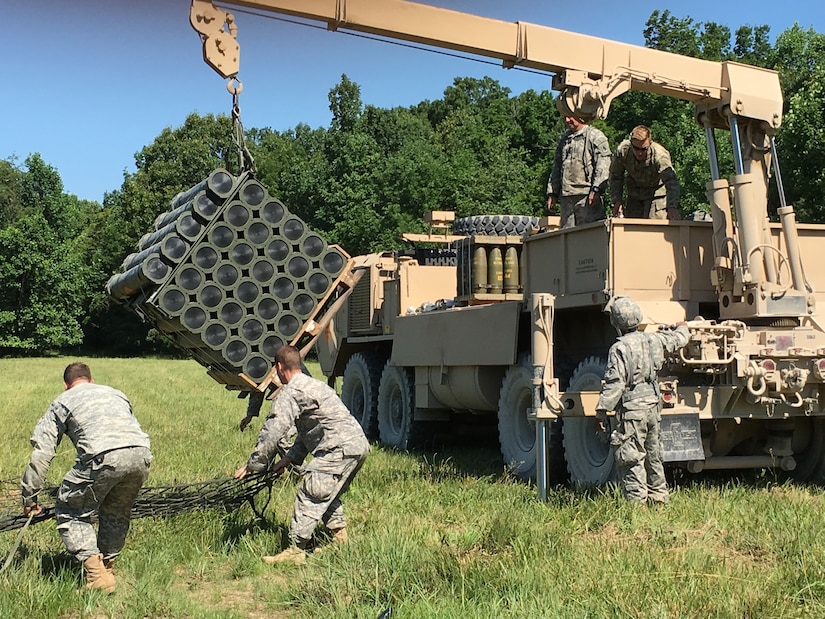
pixel 322 421
pixel 652 178
pixel 582 163
pixel 95 417
pixel 631 376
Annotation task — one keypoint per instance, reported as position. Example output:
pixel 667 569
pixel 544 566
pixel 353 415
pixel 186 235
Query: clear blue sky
pixel 88 83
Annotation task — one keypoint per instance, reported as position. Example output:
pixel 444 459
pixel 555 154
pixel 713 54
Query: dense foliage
pixel 370 176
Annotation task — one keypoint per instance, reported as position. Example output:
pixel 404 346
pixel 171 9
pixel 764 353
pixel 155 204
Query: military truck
pixel 516 328
pixel 413 347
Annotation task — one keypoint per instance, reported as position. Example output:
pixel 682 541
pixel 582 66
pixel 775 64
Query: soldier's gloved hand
pixel 244 422
pixel 281 464
pixel 600 425
pixel 29 509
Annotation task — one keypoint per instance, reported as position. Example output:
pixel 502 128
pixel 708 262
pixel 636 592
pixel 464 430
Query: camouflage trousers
pixel 107 488
pixel 638 452
pixel 575 210
pixel 646 208
pixel 327 477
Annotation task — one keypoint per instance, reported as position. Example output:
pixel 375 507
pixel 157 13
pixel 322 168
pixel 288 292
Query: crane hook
pixel 234 86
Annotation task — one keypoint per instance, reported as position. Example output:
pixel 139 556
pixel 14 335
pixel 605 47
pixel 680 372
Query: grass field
pixel 441 534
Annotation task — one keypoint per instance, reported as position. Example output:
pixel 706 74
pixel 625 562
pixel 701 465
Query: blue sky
pixel 88 83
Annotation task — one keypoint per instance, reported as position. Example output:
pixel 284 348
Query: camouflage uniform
pixel 581 164
pixel 113 459
pixel 253 409
pixel 652 186
pixel 328 431
pixel 631 388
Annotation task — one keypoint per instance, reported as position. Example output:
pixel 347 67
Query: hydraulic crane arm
pixel 588 71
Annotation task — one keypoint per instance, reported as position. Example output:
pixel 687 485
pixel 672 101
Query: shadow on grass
pixel 466 447
pixel 59 564
pixel 745 478
pixel 244 522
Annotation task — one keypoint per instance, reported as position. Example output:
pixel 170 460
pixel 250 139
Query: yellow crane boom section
pixel 589 71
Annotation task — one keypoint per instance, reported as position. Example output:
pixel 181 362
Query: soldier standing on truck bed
pixel 631 388
pixel 579 175
pixel 645 169
pixel 113 460
pixel 328 431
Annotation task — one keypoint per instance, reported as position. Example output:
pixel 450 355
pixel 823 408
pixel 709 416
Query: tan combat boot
pixel 97 576
pixel 339 536
pixel 293 554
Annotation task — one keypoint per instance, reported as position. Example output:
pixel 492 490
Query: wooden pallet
pixel 320 319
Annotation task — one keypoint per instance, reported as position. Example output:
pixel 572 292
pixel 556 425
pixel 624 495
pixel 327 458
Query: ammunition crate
pixel 489 269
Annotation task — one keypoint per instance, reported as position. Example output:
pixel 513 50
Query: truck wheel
pixel 495 225
pixel 516 433
pixel 588 453
pixel 810 463
pixel 359 390
pixel 396 406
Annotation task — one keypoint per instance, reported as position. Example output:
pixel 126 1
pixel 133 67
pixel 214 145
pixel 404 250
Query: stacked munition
pixel 229 274
pixel 489 268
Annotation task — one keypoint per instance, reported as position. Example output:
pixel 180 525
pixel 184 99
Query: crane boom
pixel 747 389
pixel 589 71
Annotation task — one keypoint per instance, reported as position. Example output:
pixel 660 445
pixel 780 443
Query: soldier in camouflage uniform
pixel 113 460
pixel 579 174
pixel 645 168
pixel 328 431
pixel 253 409
pixel 631 388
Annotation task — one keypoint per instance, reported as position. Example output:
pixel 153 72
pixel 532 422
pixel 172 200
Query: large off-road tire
pixel 495 225
pixel 396 406
pixel 810 462
pixel 588 453
pixel 517 433
pixel 359 389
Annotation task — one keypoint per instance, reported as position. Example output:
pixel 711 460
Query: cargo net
pixel 158 501
pixel 229 275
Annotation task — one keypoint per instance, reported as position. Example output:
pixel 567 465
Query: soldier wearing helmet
pixel 631 388
pixel 625 314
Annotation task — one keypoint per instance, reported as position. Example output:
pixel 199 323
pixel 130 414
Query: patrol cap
pixel 625 314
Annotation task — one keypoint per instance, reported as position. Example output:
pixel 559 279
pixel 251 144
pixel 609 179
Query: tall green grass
pixel 441 534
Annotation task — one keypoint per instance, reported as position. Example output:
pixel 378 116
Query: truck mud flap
pixel 681 438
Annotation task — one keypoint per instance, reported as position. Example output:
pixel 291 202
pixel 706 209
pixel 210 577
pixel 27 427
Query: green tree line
pixel 371 175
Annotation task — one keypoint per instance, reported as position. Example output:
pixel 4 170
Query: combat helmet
pixel 625 314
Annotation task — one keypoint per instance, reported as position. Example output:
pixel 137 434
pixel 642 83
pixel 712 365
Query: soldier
pixel 113 460
pixel 579 174
pixel 253 409
pixel 631 388
pixel 645 167
pixel 328 431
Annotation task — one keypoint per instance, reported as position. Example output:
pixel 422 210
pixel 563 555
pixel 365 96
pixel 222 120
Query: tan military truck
pixel 516 327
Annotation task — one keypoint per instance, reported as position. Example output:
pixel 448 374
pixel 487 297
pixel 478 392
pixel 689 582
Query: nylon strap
pixel 17 543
